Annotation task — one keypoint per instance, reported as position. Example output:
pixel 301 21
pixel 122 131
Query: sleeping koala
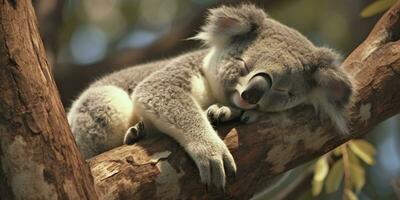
pixel 252 63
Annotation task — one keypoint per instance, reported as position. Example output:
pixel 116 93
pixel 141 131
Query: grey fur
pixel 172 95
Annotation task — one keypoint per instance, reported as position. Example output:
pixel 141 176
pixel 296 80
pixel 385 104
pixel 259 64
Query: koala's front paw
pixel 217 113
pixel 249 116
pixel 134 133
pixel 212 160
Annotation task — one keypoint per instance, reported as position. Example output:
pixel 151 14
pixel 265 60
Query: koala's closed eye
pixel 245 68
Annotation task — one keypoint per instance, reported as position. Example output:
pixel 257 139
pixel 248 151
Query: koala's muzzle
pixel 256 88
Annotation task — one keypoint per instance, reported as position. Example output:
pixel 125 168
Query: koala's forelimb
pixel 179 115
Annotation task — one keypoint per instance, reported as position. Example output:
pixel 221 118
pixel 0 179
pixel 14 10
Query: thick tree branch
pixel 278 142
pixel 38 156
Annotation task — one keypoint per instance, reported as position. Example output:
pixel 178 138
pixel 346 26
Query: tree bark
pixel 38 156
pixel 160 169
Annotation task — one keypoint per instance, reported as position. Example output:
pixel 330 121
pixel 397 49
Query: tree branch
pixel 38 155
pixel 160 169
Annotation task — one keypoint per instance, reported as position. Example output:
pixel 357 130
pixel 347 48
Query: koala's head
pixel 255 62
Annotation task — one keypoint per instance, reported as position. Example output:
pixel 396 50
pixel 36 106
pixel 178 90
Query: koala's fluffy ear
pixel 224 22
pixel 333 87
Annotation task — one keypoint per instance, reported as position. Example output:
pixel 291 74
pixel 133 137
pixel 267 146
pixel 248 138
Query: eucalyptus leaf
pixel 316 187
pixel 321 169
pixel 357 174
pixel 350 195
pixel 334 177
pixel 363 150
pixel 338 150
pixel 353 159
pixel 377 7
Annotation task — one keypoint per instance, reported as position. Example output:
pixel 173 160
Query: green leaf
pixel 321 169
pixel 363 150
pixel 357 176
pixel 316 187
pixel 350 195
pixel 338 150
pixel 377 7
pixel 334 177
pixel 353 158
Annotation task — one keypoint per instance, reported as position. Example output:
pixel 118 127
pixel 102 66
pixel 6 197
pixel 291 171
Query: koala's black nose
pixel 256 88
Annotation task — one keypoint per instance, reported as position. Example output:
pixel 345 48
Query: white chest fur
pixel 201 91
pixel 210 70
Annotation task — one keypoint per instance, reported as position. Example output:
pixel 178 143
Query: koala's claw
pixel 134 133
pixel 217 113
pixel 231 167
pixel 212 166
pixel 249 116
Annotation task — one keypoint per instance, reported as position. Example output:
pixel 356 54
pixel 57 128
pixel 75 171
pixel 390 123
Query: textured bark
pixel 278 142
pixel 38 156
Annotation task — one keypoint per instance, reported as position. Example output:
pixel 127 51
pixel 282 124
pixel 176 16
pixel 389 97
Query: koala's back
pixel 128 78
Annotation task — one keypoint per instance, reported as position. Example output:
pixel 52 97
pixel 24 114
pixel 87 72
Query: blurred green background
pixel 85 39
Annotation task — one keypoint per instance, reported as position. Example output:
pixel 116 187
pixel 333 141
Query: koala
pixel 252 64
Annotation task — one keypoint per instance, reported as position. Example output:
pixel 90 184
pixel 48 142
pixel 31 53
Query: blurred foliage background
pixel 85 39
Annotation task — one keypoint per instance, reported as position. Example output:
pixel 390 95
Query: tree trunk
pixel 160 169
pixel 38 156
